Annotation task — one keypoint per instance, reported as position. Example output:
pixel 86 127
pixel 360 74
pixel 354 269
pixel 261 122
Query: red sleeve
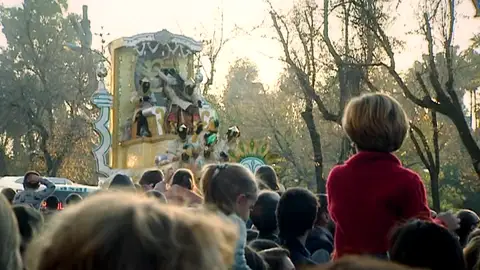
pixel 414 200
pixel 331 191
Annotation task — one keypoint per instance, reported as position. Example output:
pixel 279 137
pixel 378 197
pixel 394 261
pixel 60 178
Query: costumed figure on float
pixel 181 149
pixel 229 143
pixel 144 100
pixel 207 140
pixel 185 99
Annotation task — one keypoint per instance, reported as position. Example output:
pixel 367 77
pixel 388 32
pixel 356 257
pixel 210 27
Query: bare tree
pixel 429 157
pixel 214 43
pixel 443 96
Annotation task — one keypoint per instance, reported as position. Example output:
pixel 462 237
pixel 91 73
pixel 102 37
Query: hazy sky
pixel 192 17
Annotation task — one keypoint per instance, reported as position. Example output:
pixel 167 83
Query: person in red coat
pixel 372 192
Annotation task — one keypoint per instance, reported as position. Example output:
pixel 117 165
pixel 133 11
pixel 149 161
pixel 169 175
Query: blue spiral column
pixel 104 102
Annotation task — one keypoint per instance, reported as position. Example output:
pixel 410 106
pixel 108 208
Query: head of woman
pixel 9 238
pixel 376 123
pixel 184 178
pixel 126 231
pixel 267 178
pixel 231 188
pixel 150 179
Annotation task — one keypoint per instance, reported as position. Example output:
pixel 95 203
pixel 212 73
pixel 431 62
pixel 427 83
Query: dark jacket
pixel 319 238
pixel 298 253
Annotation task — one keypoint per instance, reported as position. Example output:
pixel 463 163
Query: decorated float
pixel 155 116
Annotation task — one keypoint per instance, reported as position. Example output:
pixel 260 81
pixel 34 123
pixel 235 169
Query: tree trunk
pixel 467 139
pixel 434 190
pixel 307 116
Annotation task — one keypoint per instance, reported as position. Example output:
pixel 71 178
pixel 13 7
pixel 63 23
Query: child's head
pixel 296 213
pixel 229 187
pixel 375 122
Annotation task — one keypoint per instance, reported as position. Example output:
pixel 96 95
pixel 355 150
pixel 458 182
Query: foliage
pixel 45 89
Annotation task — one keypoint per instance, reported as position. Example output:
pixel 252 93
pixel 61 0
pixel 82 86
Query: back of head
pixel 151 178
pixel 223 183
pixel 73 198
pixel 263 214
pixel 29 222
pixel 275 257
pixel 9 238
pixel 184 178
pixel 375 122
pixel 254 260
pixel 156 195
pixel 9 194
pixel 122 182
pixel 29 185
pixel 122 231
pixel 296 212
pixel 468 222
pixel 472 253
pixel 361 263
pixel 262 244
pixel 427 245
pixel 52 202
pixel 267 178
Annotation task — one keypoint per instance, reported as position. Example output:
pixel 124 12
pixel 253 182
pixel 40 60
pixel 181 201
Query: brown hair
pixel 267 178
pixel 361 263
pixel 375 122
pixel 124 231
pixel 222 184
pixel 151 178
pixel 472 254
pixel 184 178
pixel 9 238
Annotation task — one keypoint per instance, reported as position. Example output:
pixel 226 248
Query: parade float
pixel 155 116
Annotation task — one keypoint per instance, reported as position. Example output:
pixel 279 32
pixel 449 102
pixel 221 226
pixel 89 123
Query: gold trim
pixel 116 44
pixel 147 140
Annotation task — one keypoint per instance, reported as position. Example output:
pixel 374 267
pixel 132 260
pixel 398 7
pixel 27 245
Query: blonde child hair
pixel 375 122
pixel 126 231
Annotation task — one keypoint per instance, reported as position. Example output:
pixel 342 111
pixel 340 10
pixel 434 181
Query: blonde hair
pixel 124 231
pixel 375 122
pixel 222 184
pixel 472 254
pixel 9 238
